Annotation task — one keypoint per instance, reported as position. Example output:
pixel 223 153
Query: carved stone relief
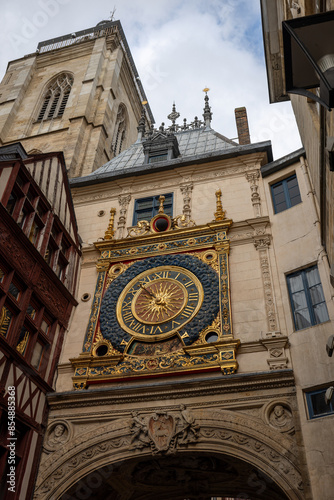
pixel 57 435
pixel 163 431
pixel 186 190
pixel 253 179
pixel 262 244
pixel 124 201
pixel 278 415
pixel 276 344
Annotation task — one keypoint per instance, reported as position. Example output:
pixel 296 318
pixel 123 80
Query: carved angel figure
pixel 189 429
pixel 139 431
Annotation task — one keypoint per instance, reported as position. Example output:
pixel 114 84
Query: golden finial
pixel 110 231
pixel 206 89
pixel 219 214
pixel 161 208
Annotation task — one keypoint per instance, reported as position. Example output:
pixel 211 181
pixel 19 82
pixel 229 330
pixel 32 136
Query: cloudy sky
pixel 179 47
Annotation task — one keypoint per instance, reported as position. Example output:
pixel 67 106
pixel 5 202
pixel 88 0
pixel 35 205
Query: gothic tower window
pixel 120 130
pixel 56 97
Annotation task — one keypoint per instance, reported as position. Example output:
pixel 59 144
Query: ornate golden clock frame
pixel 160 300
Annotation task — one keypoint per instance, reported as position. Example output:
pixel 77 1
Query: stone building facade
pixel 222 405
pixel 315 123
pixel 194 365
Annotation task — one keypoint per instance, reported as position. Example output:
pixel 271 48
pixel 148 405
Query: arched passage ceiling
pixel 180 476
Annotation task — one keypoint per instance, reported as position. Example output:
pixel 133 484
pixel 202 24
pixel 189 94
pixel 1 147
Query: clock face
pixel 159 302
pixel 159 297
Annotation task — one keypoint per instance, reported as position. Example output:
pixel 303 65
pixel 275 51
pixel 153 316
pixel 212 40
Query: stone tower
pixel 79 93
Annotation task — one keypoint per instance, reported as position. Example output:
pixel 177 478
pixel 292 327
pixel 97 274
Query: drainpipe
pixel 322 175
pixel 310 190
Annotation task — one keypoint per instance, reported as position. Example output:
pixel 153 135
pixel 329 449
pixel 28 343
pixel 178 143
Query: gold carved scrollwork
pixel 94 311
pixel 115 271
pixel 22 345
pixel 142 227
pixel 210 257
pixel 181 221
pixel 101 341
pixel 215 327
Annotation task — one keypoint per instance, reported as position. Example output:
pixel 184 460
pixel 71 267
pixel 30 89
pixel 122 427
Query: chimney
pixel 242 125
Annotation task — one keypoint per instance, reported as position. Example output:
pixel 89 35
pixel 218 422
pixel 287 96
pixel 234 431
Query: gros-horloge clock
pixel 159 302
pixel 159 297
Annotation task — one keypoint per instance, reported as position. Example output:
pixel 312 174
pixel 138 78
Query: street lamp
pixel 308 44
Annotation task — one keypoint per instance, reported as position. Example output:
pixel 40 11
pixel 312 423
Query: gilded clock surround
pixel 201 284
pixel 113 350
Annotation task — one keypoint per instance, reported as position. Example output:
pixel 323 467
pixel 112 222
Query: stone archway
pixel 200 433
pixel 178 476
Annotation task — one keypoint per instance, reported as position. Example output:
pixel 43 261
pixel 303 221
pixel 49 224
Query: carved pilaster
pixel 123 201
pixel 261 244
pixel 186 190
pixel 253 178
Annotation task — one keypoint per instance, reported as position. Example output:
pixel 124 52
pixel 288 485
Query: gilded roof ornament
pixel 109 235
pixel 161 207
pixel 207 115
pixel 220 213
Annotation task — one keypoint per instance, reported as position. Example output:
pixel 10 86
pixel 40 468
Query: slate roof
pixel 195 145
pixel 191 143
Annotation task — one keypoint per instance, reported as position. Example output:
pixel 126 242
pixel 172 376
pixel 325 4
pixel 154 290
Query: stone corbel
pixel 276 346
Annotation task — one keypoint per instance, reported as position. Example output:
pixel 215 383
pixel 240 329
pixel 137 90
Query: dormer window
pixel 154 158
pixel 160 146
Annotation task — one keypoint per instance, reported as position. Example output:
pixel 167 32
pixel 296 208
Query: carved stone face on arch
pixel 56 435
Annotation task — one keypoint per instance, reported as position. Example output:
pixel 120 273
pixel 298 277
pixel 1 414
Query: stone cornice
pixel 173 389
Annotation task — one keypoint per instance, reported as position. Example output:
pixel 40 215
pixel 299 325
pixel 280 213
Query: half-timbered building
pixel 39 265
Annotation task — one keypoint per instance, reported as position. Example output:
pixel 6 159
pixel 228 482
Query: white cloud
pixel 179 47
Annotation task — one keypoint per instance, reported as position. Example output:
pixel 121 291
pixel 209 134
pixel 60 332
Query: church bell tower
pixel 79 93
